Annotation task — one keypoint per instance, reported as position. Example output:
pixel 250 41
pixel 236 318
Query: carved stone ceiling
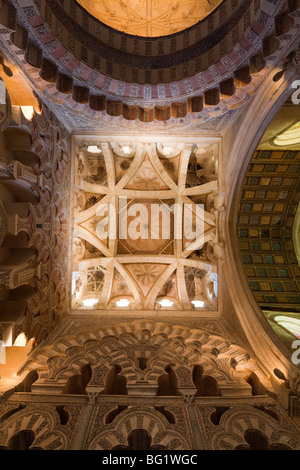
pixel 126 253
pixel 150 18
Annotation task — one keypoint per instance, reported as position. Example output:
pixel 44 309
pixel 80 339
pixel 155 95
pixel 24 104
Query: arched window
pixel 289 323
pixel 290 136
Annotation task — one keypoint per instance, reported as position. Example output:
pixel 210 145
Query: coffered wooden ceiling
pixel 150 17
pixel 266 214
pixel 266 217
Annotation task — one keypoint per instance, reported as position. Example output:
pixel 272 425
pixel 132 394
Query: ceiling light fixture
pixel 122 303
pixel 93 149
pixel 166 303
pixel 126 149
pixel 198 303
pixel 28 112
pixel 89 302
pixel 168 150
pixel 20 340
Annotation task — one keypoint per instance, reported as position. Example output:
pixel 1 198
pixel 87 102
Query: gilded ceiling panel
pixel 266 216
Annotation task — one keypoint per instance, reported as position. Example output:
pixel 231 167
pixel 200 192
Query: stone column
pixel 85 422
pixel 196 431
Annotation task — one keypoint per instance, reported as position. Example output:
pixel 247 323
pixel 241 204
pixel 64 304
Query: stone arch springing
pixel 114 413
pixel 269 412
pixel 216 415
pixel 167 414
pixel 11 412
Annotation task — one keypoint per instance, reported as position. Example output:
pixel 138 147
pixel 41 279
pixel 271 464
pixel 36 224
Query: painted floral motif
pixel 95 278
pixel 146 274
pixel 147 179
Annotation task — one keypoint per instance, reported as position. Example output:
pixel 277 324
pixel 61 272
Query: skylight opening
pixel 122 303
pixel 89 302
pixel 126 149
pixel 166 303
pixel 289 137
pixel 198 303
pixel 93 149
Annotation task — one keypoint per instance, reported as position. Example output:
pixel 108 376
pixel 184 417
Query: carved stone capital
pixel 189 399
pixel 92 397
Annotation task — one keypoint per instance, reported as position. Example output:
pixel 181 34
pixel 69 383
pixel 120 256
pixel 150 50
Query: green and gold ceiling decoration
pixel 265 220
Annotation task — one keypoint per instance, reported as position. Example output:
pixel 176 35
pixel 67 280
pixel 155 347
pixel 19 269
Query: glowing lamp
pixel 28 112
pixel 126 149
pixel 198 303
pixel 20 340
pixel 168 150
pixel 93 149
pixel 122 303
pixel 166 303
pixel 89 302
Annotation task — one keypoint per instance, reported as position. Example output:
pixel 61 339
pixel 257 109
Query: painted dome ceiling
pixel 150 18
pixel 97 76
